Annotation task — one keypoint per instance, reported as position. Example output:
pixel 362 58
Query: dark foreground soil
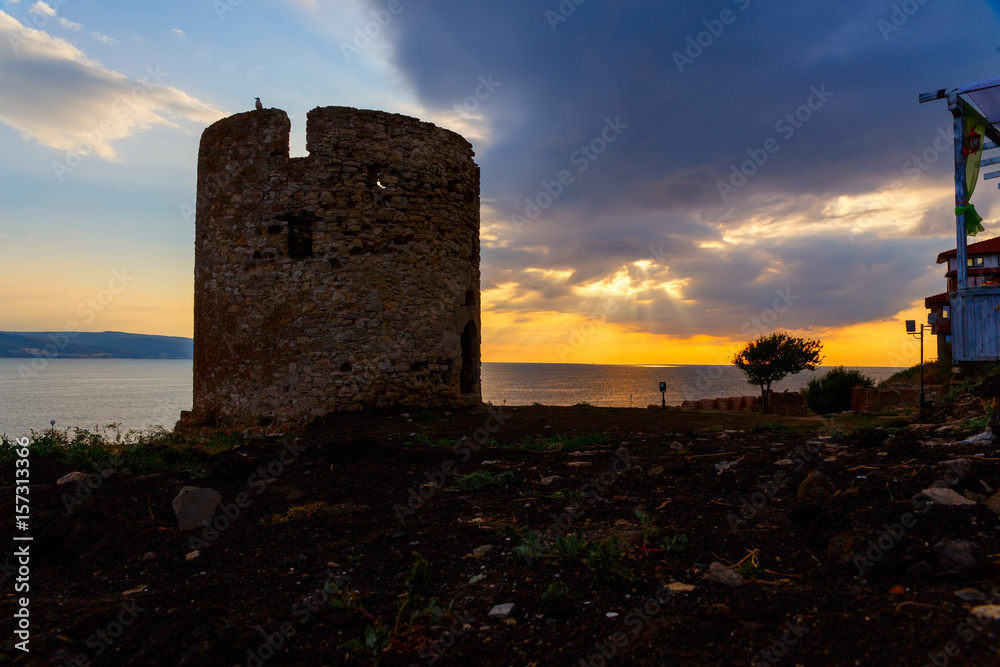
pixel 319 559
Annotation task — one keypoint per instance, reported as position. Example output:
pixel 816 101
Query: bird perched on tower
pixel 260 107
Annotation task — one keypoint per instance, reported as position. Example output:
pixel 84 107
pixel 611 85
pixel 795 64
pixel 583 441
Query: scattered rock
pixel 953 555
pixel 817 487
pixel 195 506
pixel 501 610
pixel 784 462
pixel 480 551
pixel 149 555
pixel 476 579
pixel 920 570
pixel 548 480
pixel 990 611
pixel 653 472
pixel 71 477
pixel 940 496
pixel 678 587
pixel 970 595
pixel 947 429
pixel 579 464
pixel 721 574
pixel 192 555
pixel 612 614
pixel 993 504
pixel 723 466
pixel 984 438
pixel 954 472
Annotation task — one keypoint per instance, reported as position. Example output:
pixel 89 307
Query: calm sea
pixel 139 394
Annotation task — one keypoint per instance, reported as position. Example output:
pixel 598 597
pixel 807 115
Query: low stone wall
pixel 893 397
pixel 792 404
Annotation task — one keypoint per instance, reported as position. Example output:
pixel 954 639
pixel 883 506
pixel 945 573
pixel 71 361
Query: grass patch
pixel 935 372
pixel 140 451
pixel 481 480
pixel 299 512
pixel 561 443
pixel 566 494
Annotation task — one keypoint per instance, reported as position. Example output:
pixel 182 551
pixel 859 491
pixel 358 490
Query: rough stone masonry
pixel 344 280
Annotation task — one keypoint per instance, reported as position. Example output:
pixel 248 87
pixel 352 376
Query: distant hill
pixel 89 344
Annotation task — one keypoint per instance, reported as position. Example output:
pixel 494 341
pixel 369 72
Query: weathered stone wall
pixel 343 280
pixel 791 404
pixel 893 397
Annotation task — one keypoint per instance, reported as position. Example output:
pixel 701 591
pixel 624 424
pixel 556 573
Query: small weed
pixel 604 560
pixel 562 443
pixel 298 512
pixel 566 494
pixel 749 570
pixel 508 530
pixel 426 416
pixel 375 640
pixel 775 426
pixel 557 589
pixel 569 545
pixel 419 581
pixel 480 480
pixel 415 617
pixel 530 547
pixel 650 532
pixel 675 543
pixel 978 424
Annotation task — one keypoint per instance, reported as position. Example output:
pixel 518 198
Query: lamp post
pixel 911 328
pixel 663 396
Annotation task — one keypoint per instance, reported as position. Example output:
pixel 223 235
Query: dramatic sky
pixel 651 250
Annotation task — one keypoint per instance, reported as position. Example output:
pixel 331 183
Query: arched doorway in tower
pixel 470 369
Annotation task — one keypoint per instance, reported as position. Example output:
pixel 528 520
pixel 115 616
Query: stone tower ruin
pixel 344 280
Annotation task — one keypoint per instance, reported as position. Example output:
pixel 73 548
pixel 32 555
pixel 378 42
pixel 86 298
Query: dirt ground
pixel 363 542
